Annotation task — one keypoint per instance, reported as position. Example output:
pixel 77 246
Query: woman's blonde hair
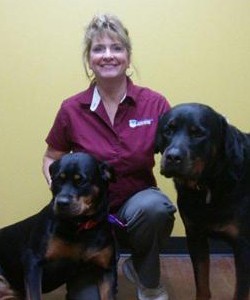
pixel 99 25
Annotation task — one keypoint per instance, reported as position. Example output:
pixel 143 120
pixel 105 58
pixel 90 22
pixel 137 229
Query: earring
pixel 90 73
pixel 129 71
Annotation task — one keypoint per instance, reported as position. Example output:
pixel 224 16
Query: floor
pixel 177 277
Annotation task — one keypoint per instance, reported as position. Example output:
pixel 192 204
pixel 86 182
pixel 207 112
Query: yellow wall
pixel 187 49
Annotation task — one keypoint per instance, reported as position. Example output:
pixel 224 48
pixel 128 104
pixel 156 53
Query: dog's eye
pixel 169 129
pixel 62 176
pixel 79 180
pixel 77 177
pixel 59 178
pixel 196 132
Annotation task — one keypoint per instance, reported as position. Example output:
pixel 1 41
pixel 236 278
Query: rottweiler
pixel 71 233
pixel 209 161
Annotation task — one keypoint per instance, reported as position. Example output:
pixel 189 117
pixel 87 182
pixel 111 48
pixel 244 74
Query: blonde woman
pixel 115 120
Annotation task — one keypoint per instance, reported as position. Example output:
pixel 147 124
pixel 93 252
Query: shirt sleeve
pixel 166 107
pixel 163 105
pixel 59 136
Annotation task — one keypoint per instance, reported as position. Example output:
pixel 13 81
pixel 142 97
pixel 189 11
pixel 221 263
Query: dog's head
pixel 79 185
pixel 190 138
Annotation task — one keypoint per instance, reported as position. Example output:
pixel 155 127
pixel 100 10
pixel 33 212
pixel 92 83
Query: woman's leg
pixel 149 216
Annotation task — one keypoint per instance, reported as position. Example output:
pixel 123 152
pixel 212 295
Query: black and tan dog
pixel 71 233
pixel 210 163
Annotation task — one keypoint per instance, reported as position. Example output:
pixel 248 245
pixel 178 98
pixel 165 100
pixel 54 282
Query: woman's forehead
pixel 106 36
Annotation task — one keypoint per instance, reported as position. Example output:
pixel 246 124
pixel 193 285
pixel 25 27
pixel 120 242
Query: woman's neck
pixel 112 90
pixel 111 93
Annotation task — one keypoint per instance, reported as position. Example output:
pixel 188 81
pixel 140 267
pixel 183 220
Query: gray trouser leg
pixel 149 215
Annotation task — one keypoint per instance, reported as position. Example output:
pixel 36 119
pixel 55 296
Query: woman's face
pixel 108 58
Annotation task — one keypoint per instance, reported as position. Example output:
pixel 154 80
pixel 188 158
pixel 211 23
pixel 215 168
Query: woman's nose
pixel 108 54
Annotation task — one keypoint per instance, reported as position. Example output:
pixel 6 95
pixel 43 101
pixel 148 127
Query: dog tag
pixel 208 197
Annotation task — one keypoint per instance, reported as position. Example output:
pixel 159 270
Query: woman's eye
pixel 117 48
pixel 98 49
pixel 114 48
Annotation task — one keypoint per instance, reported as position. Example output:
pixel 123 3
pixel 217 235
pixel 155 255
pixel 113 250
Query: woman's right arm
pixel 49 157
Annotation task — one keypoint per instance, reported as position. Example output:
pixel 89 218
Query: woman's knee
pixel 150 208
pixel 156 206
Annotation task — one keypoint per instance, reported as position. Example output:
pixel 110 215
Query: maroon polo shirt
pixel 128 144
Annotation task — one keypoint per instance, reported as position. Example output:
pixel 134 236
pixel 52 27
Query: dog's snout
pixel 173 156
pixel 63 201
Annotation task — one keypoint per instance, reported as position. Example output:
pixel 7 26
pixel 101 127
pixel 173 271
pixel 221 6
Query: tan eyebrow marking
pixel 77 176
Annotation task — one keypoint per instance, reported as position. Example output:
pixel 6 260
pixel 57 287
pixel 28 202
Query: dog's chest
pixel 208 210
pixel 58 249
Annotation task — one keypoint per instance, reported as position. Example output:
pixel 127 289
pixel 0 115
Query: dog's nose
pixel 62 201
pixel 173 156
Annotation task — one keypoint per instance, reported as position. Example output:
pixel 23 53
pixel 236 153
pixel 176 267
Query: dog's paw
pixel 6 293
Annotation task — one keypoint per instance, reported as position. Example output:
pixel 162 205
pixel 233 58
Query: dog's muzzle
pixel 174 162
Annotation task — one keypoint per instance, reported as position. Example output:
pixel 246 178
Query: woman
pixel 116 121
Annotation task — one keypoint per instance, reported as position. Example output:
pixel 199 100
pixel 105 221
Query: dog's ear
pixel 158 144
pixel 53 168
pixel 107 172
pixel 233 149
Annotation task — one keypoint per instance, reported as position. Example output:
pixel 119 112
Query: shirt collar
pixel 86 97
pixel 96 99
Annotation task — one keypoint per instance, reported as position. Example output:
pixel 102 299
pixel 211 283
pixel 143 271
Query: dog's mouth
pixel 68 206
pixel 183 168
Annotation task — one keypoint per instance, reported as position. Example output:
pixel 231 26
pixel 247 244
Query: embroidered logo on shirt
pixel 136 123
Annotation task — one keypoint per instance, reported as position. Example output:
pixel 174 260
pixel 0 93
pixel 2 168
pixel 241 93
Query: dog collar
pixel 192 184
pixel 92 223
pixel 208 193
pixel 87 225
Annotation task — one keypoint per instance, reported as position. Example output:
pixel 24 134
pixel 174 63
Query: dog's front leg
pixel 107 285
pixel 33 283
pixel 241 249
pixel 32 276
pixel 199 253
